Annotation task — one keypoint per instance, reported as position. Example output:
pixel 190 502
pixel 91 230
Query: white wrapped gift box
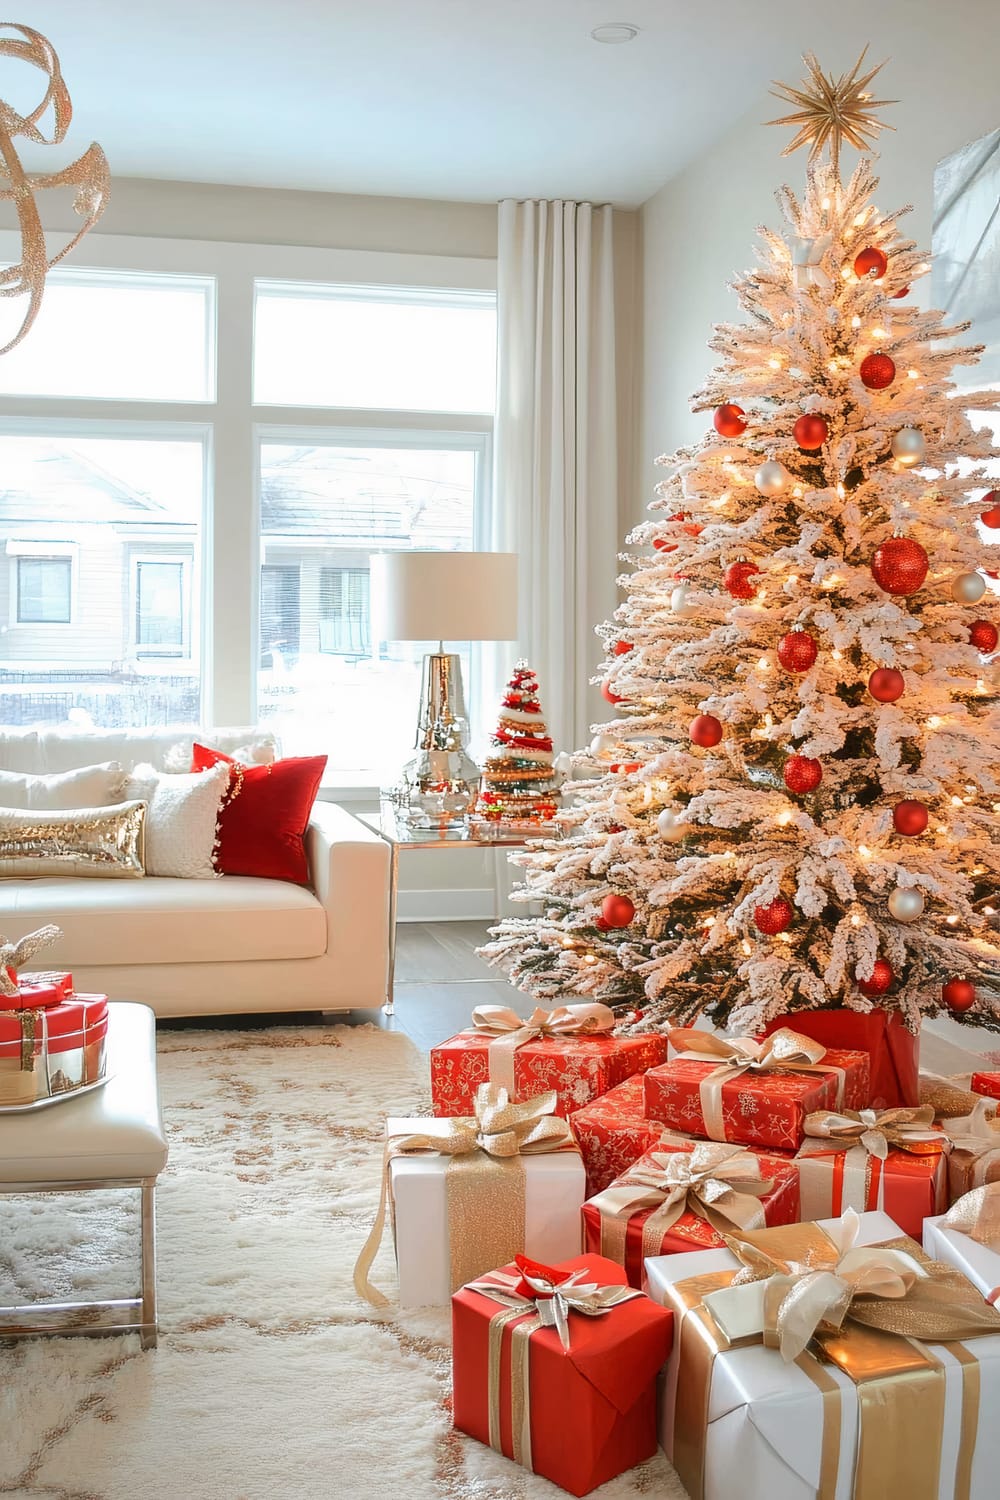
pixel 555 1186
pixel 766 1417
pixel 978 1262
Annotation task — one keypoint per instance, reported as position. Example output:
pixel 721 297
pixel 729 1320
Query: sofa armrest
pixel 349 873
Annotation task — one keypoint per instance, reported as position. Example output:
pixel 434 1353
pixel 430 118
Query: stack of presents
pixel 776 1256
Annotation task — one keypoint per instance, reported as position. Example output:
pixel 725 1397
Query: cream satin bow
pixel 562 1020
pixel 788 1305
pixel 978 1136
pixel 553 1300
pixel 782 1049
pixel 720 1183
pixel 977 1214
pixel 878 1131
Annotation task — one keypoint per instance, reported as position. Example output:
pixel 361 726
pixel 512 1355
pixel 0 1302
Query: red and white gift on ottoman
pixel 890 1160
pixel 556 1368
pixel 754 1092
pixel 569 1049
pixel 681 1198
pixel 53 1051
pixel 613 1132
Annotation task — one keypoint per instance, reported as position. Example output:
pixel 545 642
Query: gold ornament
pixel 831 111
pixel 89 174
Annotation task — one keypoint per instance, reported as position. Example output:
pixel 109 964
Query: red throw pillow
pixel 265 814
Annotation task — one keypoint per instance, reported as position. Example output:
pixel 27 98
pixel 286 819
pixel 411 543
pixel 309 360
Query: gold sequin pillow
pixel 98 841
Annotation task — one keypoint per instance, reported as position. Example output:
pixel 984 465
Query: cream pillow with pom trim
pixel 182 821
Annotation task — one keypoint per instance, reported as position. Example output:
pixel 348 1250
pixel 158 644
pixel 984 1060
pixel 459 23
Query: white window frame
pixel 170 554
pixel 43 551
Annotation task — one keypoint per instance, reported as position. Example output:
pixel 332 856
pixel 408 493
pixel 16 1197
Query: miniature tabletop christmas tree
pixel 519 783
pixel 799 803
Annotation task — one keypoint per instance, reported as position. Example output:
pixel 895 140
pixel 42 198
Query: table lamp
pixel 442 596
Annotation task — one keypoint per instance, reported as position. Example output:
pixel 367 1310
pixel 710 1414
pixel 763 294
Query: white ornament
pixel 669 826
pixel 968 588
pixel 679 603
pixel 908 446
pixel 906 903
pixel 602 743
pixel 771 477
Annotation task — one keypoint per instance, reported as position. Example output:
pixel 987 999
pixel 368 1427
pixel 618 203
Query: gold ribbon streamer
pixel 783 1051
pixel 511 1031
pixel 977 1214
pixel 484 1151
pixel 975 1147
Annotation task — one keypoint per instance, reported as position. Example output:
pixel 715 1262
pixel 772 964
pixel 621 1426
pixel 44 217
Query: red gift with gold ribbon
pixel 613 1132
pixel 986 1083
pixel 577 1412
pixel 891 1046
pixel 893 1160
pixel 52 1051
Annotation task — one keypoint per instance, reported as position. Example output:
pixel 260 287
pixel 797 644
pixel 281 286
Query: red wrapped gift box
pixel 590 1410
pixel 892 1048
pixel 37 989
pixel 613 1132
pixel 52 1051
pixel 908 1186
pixel 610 1229
pixel 986 1083
pixel 579 1068
pixel 758 1108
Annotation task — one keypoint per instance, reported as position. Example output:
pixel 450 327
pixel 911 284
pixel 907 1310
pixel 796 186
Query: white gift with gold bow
pixel 968 1236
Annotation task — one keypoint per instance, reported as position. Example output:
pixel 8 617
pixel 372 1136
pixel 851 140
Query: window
pixel 44 590
pixel 345 611
pixel 162 606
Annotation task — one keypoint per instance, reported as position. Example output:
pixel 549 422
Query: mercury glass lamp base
pixel 438 788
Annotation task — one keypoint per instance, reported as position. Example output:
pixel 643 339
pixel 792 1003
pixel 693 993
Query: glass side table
pixel 399 835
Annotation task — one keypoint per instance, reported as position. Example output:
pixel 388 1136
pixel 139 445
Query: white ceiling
pixel 465 99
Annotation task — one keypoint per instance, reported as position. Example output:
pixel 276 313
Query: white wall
pixel 698 230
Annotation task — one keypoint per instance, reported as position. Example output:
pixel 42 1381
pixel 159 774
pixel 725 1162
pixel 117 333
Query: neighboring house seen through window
pixel 44 590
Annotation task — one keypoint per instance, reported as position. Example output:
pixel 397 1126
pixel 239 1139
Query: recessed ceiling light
pixel 614 33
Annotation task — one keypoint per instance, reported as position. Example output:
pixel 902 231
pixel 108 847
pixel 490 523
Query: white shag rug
pixel 271 1380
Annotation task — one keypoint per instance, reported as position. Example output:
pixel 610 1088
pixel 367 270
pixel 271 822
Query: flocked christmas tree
pixel 799 806
pixel 519 782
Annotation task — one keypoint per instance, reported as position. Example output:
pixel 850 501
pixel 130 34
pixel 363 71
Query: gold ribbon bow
pixel 977 1214
pixel 491 1141
pixel 783 1051
pixel 512 1031
pixel 879 1131
pixel 720 1183
pixel 975 1147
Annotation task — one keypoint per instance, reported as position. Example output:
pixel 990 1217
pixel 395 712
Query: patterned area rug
pixel 271 1380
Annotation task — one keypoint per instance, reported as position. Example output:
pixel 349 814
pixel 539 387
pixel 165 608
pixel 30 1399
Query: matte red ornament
pixel 872 262
pixel 609 694
pixel 983 635
pixel 909 817
pixel 802 774
pixel 617 911
pixel 958 994
pixel 810 431
pixel 880 980
pixel 886 685
pixel 705 731
pixel 797 651
pixel 737 579
pixel 602 926
pixel 991 516
pixel 775 917
pixel 900 565
pixel 877 371
pixel 622 648
pixel 729 421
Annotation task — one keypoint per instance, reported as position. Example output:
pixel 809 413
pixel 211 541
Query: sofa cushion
pixel 168 748
pixel 87 786
pixel 164 921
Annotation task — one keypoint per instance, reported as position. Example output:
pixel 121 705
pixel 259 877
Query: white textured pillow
pixel 182 820
pixel 88 786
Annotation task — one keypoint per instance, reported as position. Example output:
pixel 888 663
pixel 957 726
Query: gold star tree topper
pixel 831 111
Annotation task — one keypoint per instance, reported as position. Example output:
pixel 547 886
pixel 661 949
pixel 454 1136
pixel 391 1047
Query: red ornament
pixel 662 546
pixel 991 516
pixel 880 980
pixel 737 579
pixel 729 421
pixel 909 817
pixel 622 648
pixel 810 431
pixel 624 767
pixel 903 291
pixel 983 635
pixel 693 530
pixel 775 917
pixel 886 685
pixel 602 926
pixel 609 695
pixel 877 371
pixel 705 731
pixel 871 262
pixel 959 995
pixel 617 911
pixel 802 774
pixel 797 651
pixel 900 565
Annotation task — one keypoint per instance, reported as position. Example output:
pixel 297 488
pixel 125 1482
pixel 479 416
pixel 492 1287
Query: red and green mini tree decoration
pixel 519 783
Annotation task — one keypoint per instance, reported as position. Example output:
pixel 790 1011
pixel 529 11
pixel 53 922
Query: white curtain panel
pixel 556 463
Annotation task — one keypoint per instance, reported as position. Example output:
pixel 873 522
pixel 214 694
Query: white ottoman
pixel 110 1138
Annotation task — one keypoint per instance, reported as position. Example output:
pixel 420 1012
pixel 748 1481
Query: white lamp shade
pixel 444 596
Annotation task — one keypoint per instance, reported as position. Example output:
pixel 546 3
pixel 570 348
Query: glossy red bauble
pixel 602 926
pixel 705 731
pixel 886 685
pixel 617 911
pixel 797 651
pixel 729 421
pixel 880 980
pixel 737 579
pixel 958 994
pixel 774 918
pixel 909 817
pixel 810 431
pixel 622 648
pixel 991 515
pixel 900 565
pixel 983 635
pixel 802 774
pixel 903 292
pixel 872 262
pixel 877 371
pixel 608 693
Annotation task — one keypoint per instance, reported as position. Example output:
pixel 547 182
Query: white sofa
pixel 208 947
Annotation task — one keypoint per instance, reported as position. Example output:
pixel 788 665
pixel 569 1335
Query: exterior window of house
pixel 345 625
pixel 44 590
pixel 161 605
